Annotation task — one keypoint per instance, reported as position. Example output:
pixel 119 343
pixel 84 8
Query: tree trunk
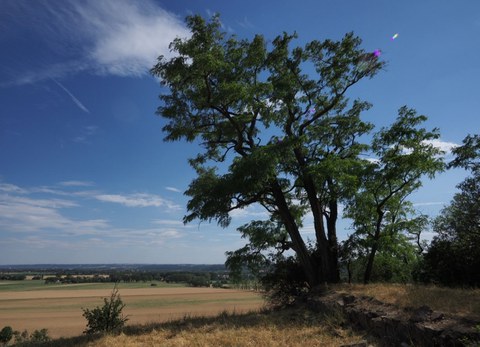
pixel 368 270
pixel 326 260
pixel 371 256
pixel 332 241
pixel 298 244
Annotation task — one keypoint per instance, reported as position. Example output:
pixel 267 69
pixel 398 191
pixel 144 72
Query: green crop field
pixel 36 285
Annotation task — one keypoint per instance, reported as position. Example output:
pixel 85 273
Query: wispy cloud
pixel 34 218
pixel 432 203
pixel 245 23
pixel 115 37
pixel 249 212
pixel 11 188
pixel 74 99
pixel 76 183
pixel 23 214
pixel 87 132
pixel 138 200
pixel 443 145
pixel 173 189
pixel 211 13
pixel 128 36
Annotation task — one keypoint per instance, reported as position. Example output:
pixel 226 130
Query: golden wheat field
pixel 59 309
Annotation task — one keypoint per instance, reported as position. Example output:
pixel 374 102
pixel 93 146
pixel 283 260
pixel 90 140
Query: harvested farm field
pixel 59 308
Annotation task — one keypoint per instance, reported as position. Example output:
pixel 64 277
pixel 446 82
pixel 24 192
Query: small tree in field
pixel 108 318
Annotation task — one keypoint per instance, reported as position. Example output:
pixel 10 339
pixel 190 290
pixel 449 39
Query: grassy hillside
pixel 289 327
pixel 461 302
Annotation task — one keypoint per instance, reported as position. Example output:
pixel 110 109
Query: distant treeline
pixel 13 277
pixel 194 279
pixel 87 269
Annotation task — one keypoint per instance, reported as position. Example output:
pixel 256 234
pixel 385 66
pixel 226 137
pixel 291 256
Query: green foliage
pixel 6 334
pixel 287 140
pixel 284 283
pixel 108 318
pixel 403 155
pixel 396 261
pixel 267 241
pixel 40 336
pixel 454 254
pixel 12 277
pixel 21 336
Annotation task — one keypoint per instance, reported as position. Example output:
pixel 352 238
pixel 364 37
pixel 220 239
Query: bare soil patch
pixel 60 311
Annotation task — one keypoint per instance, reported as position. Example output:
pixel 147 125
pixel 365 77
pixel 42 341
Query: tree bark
pixel 292 229
pixel 325 258
pixel 371 257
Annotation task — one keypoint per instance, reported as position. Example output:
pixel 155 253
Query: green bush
pixel 20 336
pixel 6 335
pixel 284 283
pixel 108 318
pixel 40 336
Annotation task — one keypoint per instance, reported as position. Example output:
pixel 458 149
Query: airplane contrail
pixel 74 99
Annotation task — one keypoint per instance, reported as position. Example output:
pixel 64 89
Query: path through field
pixel 60 311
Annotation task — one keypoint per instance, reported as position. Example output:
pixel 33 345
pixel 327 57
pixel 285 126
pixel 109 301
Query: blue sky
pixel 85 176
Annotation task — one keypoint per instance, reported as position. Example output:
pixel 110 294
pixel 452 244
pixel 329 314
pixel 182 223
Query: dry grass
pixel 462 302
pixel 291 327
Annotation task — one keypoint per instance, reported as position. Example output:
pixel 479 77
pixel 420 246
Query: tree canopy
pixel 380 209
pixel 279 120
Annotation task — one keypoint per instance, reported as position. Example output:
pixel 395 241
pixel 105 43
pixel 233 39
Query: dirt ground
pixel 61 311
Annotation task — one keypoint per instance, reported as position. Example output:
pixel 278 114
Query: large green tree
pixel 276 128
pixel 381 213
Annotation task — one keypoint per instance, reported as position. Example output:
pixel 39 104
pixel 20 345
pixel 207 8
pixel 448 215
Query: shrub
pixel 40 336
pixel 6 335
pixel 285 283
pixel 108 318
pixel 20 336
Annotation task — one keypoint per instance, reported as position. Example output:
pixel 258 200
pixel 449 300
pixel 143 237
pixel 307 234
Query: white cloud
pixel 76 183
pixel 115 37
pixel 11 188
pixel 22 214
pixel 168 222
pixel 433 203
pixel 29 223
pixel 129 35
pixel 138 200
pixel 246 24
pixel 87 132
pixel 373 160
pixel 442 145
pixel 173 189
pixel 249 212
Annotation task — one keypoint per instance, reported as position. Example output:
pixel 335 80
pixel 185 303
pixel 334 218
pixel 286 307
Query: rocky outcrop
pixel 394 326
